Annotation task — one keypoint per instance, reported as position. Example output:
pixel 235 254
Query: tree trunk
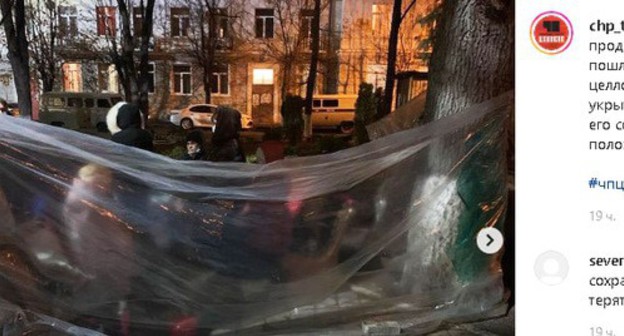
pixel 143 74
pixel 473 55
pixel 313 67
pixel 133 76
pixel 472 61
pixel 209 45
pixel 392 55
pixel 13 20
pixel 286 84
pixel 332 63
pixel 207 86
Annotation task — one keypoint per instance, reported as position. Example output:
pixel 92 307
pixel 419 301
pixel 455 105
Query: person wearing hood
pixel 195 147
pixel 225 137
pixel 4 108
pixel 125 123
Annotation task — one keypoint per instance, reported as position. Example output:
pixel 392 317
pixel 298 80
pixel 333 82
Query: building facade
pixel 261 50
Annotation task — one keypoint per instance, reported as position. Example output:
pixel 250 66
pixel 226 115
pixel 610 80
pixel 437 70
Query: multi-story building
pixel 261 50
pixel 364 43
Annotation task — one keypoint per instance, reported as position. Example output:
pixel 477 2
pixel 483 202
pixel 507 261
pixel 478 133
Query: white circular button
pixel 490 240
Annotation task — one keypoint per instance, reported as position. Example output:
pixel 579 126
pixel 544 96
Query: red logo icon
pixel 551 33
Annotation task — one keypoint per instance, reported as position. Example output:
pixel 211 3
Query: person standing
pixel 125 123
pixel 225 137
pixel 195 147
pixel 4 108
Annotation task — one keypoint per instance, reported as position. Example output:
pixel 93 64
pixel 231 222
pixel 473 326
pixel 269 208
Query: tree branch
pixel 409 7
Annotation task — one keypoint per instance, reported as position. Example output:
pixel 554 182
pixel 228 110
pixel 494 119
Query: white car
pixel 200 115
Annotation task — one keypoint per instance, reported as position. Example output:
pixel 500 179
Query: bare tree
pixel 314 57
pixel 358 43
pixel 290 45
pixel 14 22
pixel 366 43
pixel 398 15
pixel 130 51
pixel 43 35
pixel 211 38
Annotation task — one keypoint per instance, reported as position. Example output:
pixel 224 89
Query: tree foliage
pixel 293 120
pixel 129 52
pixel 212 41
pixel 398 15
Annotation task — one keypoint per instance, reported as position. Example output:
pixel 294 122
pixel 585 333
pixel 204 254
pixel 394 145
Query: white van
pixel 77 110
pixel 335 111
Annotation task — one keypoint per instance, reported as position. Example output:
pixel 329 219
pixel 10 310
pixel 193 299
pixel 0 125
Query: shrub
pixel 330 144
pixel 176 153
pixel 365 110
pixel 293 120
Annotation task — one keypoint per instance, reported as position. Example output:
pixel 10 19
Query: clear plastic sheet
pixel 97 237
pixel 404 117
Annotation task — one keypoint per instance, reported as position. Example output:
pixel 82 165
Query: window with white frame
pixel 265 20
pixel 103 77
pixel 107 78
pixel 106 20
pixel 180 21
pixel 376 75
pixel 181 79
pixel 220 23
pixel 68 21
pixel 220 80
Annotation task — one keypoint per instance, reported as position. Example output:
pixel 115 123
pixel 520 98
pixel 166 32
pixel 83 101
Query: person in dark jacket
pixel 225 139
pixel 4 107
pixel 125 122
pixel 195 147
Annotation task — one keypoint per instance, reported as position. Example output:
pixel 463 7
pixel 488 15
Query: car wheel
pixel 186 123
pixel 346 127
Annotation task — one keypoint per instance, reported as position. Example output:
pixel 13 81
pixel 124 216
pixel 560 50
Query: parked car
pixel 200 115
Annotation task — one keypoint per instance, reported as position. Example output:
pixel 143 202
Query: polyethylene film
pixel 97 237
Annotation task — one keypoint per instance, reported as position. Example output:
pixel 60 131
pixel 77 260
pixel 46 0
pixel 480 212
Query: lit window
pixel 263 76
pixel 72 77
